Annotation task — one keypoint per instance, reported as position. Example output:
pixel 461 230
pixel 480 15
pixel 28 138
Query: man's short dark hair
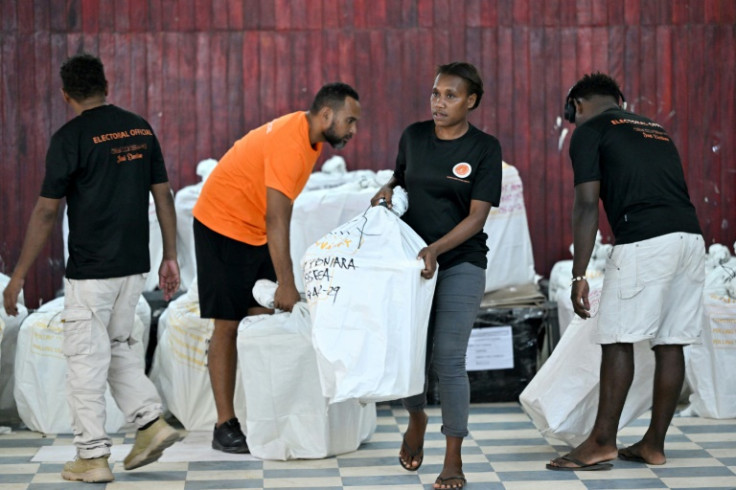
pixel 333 96
pixel 83 76
pixel 595 84
pixel 467 72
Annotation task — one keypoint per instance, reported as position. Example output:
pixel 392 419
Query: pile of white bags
pixel 287 417
pixel 709 365
pixel 369 308
pixel 510 257
pixel 9 327
pixel 317 212
pixel 40 373
pixel 180 364
pixel 334 173
pixel 562 398
pixel 184 203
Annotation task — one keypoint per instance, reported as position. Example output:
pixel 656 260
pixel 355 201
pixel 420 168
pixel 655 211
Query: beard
pixel 335 140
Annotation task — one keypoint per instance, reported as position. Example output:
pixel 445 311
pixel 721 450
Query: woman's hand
pixel 383 195
pixel 428 255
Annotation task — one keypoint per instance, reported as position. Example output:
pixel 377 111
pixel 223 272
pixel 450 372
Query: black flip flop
pixel 417 455
pixel 580 465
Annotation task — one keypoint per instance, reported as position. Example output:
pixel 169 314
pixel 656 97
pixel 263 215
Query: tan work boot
pixel 150 444
pixel 95 470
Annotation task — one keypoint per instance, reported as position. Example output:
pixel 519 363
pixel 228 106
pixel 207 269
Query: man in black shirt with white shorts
pixel 653 283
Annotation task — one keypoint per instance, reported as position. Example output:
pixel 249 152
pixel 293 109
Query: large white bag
pixel 40 373
pixel 562 399
pixel 287 417
pixel 318 212
pixel 369 308
pixel 184 203
pixel 179 368
pixel 510 257
pixel 9 327
pixel 709 365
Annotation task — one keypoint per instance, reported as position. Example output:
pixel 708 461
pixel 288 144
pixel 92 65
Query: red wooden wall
pixel 204 72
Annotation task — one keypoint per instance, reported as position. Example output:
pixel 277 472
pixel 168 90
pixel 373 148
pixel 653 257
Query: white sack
pixel 40 373
pixel 180 365
pixel 316 213
pixel 184 203
pixel 565 312
pixel 562 398
pixel 9 327
pixel 709 365
pixel 369 308
pixel 287 415
pixel 334 173
pixel 510 257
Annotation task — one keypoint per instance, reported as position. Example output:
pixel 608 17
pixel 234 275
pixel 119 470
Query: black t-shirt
pixel 441 177
pixel 104 162
pixel 642 182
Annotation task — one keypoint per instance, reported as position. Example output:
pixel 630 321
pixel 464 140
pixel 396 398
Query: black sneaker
pixel 229 438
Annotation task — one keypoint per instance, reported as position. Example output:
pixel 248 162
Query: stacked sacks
pixel 510 257
pixel 9 327
pixel 319 211
pixel 334 173
pixel 184 202
pixel 287 417
pixel 709 364
pixel 180 364
pixel 369 307
pixel 40 373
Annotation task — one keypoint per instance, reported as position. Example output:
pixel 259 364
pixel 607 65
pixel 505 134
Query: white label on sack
pixel 490 348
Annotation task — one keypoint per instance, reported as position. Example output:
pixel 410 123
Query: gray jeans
pixel 457 298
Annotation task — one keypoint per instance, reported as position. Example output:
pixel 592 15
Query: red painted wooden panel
pixel 204 73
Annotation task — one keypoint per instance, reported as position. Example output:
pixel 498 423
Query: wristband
pixel 578 278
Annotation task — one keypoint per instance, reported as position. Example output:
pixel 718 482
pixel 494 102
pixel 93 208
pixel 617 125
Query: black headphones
pixel 570 111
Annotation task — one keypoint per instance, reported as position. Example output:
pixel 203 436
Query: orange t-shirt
pixel 276 155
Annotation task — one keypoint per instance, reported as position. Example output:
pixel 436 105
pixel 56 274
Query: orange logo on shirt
pixel 462 170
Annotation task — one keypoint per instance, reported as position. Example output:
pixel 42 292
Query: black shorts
pixel 226 272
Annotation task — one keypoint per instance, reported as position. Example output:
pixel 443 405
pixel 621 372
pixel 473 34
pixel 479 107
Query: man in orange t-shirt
pixel 241 230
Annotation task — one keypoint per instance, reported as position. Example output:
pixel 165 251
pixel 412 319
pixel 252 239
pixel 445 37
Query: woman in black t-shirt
pixel 451 171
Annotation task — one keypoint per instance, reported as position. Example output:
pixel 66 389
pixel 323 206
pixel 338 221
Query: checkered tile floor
pixel 504 451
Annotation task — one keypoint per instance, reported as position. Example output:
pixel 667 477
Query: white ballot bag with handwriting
pixel 709 364
pixel 287 417
pixel 562 398
pixel 369 307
